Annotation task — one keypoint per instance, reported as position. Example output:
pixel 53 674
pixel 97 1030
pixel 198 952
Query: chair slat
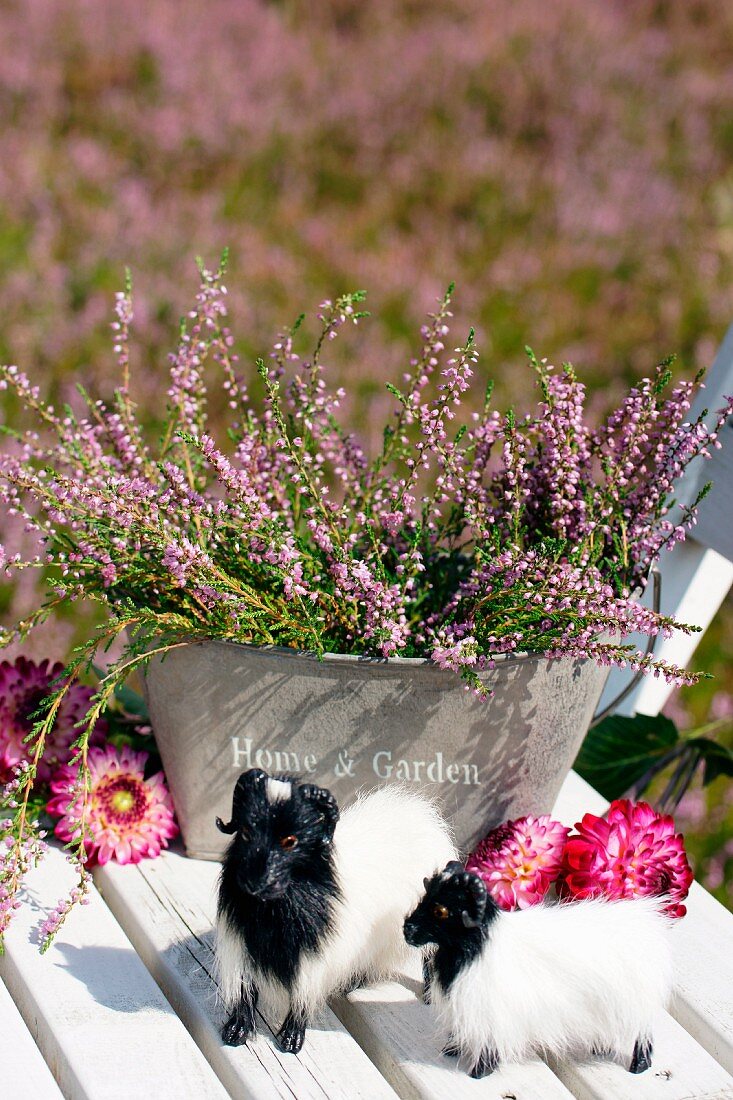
pixel 99 1019
pixel 25 1074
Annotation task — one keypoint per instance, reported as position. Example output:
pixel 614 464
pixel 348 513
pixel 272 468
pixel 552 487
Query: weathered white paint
pixel 25 1075
pixel 703 946
pixel 167 908
pixel 99 1019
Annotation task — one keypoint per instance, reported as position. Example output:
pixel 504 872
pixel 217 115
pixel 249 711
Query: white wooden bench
pixel 124 1006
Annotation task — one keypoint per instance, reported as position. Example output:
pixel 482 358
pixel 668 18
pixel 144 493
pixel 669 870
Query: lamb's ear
pixel 254 779
pixel 325 803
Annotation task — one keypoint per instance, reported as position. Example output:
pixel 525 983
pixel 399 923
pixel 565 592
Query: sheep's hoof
pixel 641 1059
pixel 486 1064
pixel 237 1031
pixel 291 1036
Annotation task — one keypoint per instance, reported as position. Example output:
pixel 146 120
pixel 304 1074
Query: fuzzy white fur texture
pixel 384 844
pixel 559 979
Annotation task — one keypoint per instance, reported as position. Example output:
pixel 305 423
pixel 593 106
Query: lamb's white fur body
pixel 559 978
pixel 384 845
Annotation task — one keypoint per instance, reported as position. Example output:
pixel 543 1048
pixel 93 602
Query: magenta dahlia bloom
pixel 519 860
pixel 635 852
pixel 128 817
pixel 23 685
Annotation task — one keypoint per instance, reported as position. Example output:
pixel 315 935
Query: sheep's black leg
pixel 641 1059
pixel 427 977
pixel 451 1048
pixel 291 1035
pixel 486 1064
pixel 241 1024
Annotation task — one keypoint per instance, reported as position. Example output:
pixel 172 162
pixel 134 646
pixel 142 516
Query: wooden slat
pixel 167 908
pixel 681 1070
pixel 25 1075
pixel 398 1032
pixel 99 1019
pixel 703 947
pixel 695 581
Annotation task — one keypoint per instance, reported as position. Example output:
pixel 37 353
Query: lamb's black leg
pixel 291 1035
pixel 641 1059
pixel 451 1048
pixel 486 1064
pixel 427 977
pixel 241 1024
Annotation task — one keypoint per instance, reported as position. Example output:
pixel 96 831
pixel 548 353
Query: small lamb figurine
pixel 585 976
pixel 311 904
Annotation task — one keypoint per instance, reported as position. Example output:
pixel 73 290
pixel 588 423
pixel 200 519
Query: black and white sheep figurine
pixel 312 903
pixel 578 977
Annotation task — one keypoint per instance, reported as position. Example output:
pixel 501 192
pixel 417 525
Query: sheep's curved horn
pixel 477 890
pixel 453 868
pixel 325 803
pixel 254 778
pixel 469 922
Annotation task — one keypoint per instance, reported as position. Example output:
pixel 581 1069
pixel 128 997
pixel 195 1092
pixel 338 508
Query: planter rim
pixel 383 665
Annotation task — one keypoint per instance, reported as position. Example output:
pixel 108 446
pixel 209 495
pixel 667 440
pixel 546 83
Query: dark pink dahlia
pixel 634 852
pixel 519 860
pixel 23 685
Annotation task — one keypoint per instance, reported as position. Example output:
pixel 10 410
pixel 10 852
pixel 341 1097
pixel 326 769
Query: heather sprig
pixel 460 540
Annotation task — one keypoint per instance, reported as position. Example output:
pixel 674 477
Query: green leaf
pixel 619 751
pixel 717 759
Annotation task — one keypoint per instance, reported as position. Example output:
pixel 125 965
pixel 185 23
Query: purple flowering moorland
pixel 457 541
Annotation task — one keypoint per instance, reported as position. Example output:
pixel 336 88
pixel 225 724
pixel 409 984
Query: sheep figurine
pixel 582 977
pixel 312 903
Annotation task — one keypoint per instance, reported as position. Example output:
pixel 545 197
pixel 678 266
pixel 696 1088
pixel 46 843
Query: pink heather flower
pixel 129 817
pixel 634 853
pixel 519 860
pixel 23 685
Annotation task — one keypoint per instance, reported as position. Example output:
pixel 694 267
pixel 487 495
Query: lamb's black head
pixel 456 904
pixel 281 829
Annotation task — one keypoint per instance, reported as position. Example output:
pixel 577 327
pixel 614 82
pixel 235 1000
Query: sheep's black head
pixel 281 830
pixel 455 904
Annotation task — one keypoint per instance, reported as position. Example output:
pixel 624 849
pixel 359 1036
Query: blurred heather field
pixel 570 166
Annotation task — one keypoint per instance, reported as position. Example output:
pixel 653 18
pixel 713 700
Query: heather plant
pixel 459 540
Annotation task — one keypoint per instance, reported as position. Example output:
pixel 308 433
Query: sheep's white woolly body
pixel 557 978
pixel 384 844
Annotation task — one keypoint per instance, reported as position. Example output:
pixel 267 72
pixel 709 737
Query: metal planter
pixel 218 708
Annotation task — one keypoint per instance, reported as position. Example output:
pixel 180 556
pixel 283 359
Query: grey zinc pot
pixel 350 723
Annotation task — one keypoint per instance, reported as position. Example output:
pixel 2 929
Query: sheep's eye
pixel 440 912
pixel 287 843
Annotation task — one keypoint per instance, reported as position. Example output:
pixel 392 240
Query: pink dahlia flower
pixel 128 817
pixel 635 852
pixel 23 685
pixel 519 860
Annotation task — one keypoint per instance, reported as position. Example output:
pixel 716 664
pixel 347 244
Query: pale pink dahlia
pixel 519 860
pixel 129 817
pixel 634 852
pixel 23 685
